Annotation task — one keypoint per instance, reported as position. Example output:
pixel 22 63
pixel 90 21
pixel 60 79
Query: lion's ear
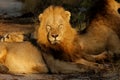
pixel 68 14
pixel 40 17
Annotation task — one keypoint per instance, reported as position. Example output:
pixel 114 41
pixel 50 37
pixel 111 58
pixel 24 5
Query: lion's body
pixel 21 57
pixel 99 38
pixel 57 37
pixel 104 24
pixel 107 12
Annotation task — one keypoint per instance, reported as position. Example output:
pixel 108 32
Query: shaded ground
pixel 60 77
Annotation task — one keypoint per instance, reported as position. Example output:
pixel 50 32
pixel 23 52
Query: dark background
pixel 10 9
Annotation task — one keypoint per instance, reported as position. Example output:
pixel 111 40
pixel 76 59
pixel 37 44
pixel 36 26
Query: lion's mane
pixel 66 50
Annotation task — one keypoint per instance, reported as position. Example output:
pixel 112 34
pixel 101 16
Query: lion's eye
pixel 60 26
pixel 48 27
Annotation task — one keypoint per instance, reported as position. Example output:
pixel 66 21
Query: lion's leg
pixel 102 56
pixel 58 66
pixel 3 53
pixel 99 57
pixel 89 64
pixel 114 45
pixel 3 68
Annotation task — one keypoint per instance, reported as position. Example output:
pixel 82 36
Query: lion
pixel 107 11
pixel 21 58
pixel 13 37
pixel 56 36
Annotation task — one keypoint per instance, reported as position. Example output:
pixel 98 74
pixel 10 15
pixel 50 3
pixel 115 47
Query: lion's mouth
pixel 55 42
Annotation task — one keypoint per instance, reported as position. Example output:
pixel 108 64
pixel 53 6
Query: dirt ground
pixel 81 76
pixel 112 74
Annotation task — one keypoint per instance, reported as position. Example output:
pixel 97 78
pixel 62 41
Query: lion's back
pixel 23 57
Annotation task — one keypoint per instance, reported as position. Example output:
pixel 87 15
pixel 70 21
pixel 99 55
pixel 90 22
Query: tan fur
pixel 113 17
pixel 13 37
pixel 21 57
pixel 104 23
pixel 106 11
pixel 103 28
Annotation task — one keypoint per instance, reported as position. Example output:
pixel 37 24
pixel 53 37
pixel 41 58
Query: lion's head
pixel 13 37
pixel 54 26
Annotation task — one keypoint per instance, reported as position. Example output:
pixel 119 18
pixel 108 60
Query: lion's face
pixel 55 30
pixel 54 25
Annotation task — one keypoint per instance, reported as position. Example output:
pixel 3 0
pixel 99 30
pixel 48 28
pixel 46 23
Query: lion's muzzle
pixel 54 35
pixel 54 38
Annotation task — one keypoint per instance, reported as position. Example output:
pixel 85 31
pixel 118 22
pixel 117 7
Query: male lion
pixel 56 36
pixel 21 57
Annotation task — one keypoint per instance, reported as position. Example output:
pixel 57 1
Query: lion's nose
pixel 54 35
